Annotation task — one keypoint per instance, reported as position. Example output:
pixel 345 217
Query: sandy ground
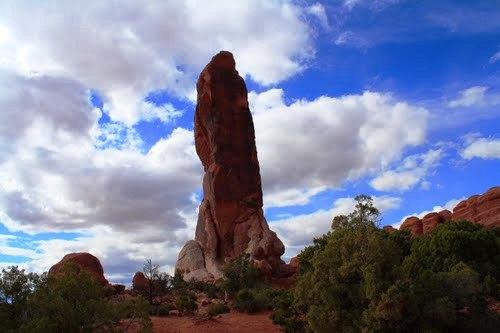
pixel 225 323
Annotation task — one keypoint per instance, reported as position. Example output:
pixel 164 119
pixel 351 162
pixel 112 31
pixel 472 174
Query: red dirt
pixel 225 323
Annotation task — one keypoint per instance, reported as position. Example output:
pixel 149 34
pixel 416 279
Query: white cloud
pixel 129 50
pixel 448 205
pixel 59 172
pixel 319 11
pixel 291 197
pixel 494 58
pixel 307 145
pixel 411 172
pixel 469 97
pixel 299 231
pixel 485 148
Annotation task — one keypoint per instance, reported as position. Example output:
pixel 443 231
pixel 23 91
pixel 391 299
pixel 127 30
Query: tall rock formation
pixel 483 209
pixel 230 219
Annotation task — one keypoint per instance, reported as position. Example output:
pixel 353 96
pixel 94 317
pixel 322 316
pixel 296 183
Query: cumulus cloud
pixel 307 145
pixel 411 172
pixel 479 147
pixel 125 51
pixel 299 231
pixel 60 170
pixel 469 97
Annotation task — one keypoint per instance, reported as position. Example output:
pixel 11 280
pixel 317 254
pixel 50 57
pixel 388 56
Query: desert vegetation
pixel 71 302
pixel 359 278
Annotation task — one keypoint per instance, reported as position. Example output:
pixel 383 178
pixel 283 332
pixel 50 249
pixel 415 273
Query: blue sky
pixel 396 99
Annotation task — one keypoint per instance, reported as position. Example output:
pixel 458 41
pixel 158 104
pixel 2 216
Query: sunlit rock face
pixel 230 220
pixel 483 209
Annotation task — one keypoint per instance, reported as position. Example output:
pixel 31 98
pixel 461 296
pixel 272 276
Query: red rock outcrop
pixel 414 224
pixel 84 261
pixel 230 218
pixel 483 209
pixel 140 282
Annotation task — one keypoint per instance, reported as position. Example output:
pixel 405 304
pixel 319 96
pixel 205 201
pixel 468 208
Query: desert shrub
pixel 178 282
pixel 75 302
pixel 360 278
pixel 215 309
pixel 211 289
pixel 159 283
pixel 186 302
pixel 246 300
pixel 161 310
pixel 241 273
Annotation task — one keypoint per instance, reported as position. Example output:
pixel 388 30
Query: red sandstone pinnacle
pixel 483 209
pixel 84 261
pixel 230 219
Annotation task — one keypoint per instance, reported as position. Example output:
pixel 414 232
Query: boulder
pixel 414 224
pixel 191 262
pixel 140 282
pixel 83 261
pixel 230 219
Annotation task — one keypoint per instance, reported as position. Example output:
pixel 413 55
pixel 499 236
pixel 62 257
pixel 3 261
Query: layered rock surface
pixel 84 261
pixel 483 209
pixel 230 219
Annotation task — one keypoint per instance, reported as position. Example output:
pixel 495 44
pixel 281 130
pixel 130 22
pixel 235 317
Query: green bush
pixel 161 310
pixel 215 309
pixel 360 278
pixel 246 300
pixel 186 303
pixel 71 302
pixel 241 273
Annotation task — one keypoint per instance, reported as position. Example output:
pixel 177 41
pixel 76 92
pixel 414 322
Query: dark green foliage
pixel 452 243
pixel 241 273
pixel 161 310
pixel 359 278
pixel 15 287
pixel 215 309
pixel 211 289
pixel 186 302
pixel 285 312
pixel 178 282
pixel 72 302
pixel 246 300
pixel 159 283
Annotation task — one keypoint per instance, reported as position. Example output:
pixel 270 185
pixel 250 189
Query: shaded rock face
pixel 230 220
pixel 483 209
pixel 140 282
pixel 84 261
